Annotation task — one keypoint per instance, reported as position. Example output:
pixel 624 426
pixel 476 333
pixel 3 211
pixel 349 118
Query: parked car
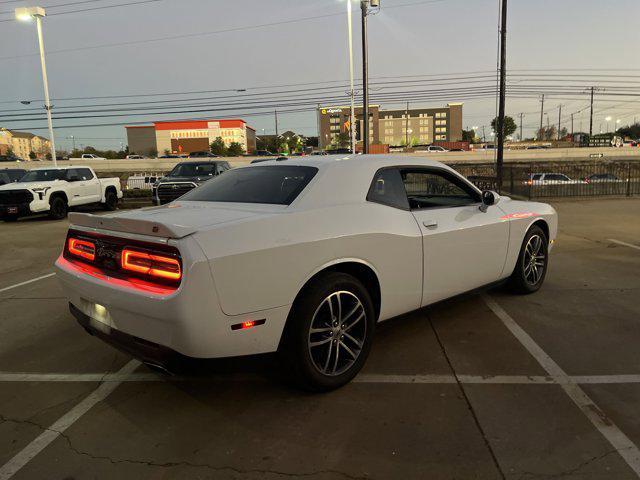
pixel 9 158
pixel 201 155
pixel 319 152
pixel 551 179
pixel 88 156
pixel 433 149
pixel 169 156
pixel 302 257
pixel 184 177
pixel 55 191
pixel 11 175
pixel 141 181
pixel 602 178
pixel 134 157
pixel 265 153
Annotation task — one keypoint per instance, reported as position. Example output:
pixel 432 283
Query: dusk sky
pixel 407 37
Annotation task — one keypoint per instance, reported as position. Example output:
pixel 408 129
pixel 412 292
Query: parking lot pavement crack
pixel 466 399
pixel 216 468
pixel 569 472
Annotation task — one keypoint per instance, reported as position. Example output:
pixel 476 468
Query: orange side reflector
pixel 151 264
pixel 248 324
pixel 82 248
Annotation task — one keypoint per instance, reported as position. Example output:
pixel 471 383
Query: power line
pixel 140 2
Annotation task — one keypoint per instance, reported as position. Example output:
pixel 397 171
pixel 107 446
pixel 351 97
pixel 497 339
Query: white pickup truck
pixel 88 156
pixel 55 191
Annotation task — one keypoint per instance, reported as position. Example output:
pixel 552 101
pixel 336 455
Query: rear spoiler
pixel 130 225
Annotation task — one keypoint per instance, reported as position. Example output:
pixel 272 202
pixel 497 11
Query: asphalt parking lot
pixel 484 386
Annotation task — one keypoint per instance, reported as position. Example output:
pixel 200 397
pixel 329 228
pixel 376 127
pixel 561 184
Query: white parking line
pixel 620 442
pixel 23 457
pixel 362 378
pixel 27 282
pixel 625 244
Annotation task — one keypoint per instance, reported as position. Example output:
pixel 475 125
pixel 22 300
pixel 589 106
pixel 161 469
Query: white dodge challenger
pixel 302 256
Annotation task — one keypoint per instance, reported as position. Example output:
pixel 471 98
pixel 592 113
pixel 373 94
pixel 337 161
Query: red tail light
pixel 151 264
pixel 82 248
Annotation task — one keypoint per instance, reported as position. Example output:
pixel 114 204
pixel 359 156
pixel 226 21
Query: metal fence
pixel 544 180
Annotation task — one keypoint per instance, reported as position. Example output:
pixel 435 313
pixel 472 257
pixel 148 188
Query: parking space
pixel 483 386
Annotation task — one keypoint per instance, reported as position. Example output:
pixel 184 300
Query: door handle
pixel 430 223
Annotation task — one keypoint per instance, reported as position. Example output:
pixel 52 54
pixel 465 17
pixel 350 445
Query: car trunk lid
pixel 175 220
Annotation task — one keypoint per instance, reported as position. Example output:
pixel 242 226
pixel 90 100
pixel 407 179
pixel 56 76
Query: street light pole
pixel 38 13
pixel 352 117
pixel 364 5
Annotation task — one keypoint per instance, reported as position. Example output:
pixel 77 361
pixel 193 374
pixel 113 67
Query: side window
pixel 429 189
pixel 387 189
pixel 73 175
pixel 85 174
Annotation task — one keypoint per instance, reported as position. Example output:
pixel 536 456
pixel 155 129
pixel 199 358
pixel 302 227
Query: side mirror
pixel 489 198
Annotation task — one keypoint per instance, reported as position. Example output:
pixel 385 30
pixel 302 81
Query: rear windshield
pixel 274 184
pixel 44 175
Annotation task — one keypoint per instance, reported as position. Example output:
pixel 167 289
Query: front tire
pixel 533 259
pixel 329 332
pixel 110 201
pixel 58 208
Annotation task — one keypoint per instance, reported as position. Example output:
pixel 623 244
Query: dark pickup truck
pixel 184 177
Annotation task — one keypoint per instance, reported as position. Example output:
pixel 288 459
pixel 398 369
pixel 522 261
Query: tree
pixel 10 152
pixel 632 131
pixel 234 149
pixel 469 136
pixel 563 132
pixel 218 147
pixel 509 125
pixel 343 140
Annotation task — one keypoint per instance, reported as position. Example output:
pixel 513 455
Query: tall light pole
pixel 352 117
pixel 364 6
pixel 608 119
pixel 27 14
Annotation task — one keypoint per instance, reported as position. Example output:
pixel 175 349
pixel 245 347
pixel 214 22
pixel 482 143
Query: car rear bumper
pixel 144 350
pixel 188 320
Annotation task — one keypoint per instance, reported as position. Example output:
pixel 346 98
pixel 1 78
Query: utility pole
pixel 521 115
pixel 406 125
pixel 364 6
pixel 572 126
pixel 559 119
pixel 541 117
pixel 352 115
pixel 591 116
pixel 275 112
pixel 503 93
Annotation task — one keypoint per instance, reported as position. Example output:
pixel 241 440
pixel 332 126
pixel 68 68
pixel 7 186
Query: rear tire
pixel 58 208
pixel 110 201
pixel 531 268
pixel 329 332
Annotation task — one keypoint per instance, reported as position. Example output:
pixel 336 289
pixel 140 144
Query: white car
pixel 88 156
pixel 433 149
pixel 551 179
pixel 301 256
pixel 55 191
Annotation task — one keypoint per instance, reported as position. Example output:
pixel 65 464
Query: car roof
pixel 200 162
pixel 343 179
pixel 65 167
